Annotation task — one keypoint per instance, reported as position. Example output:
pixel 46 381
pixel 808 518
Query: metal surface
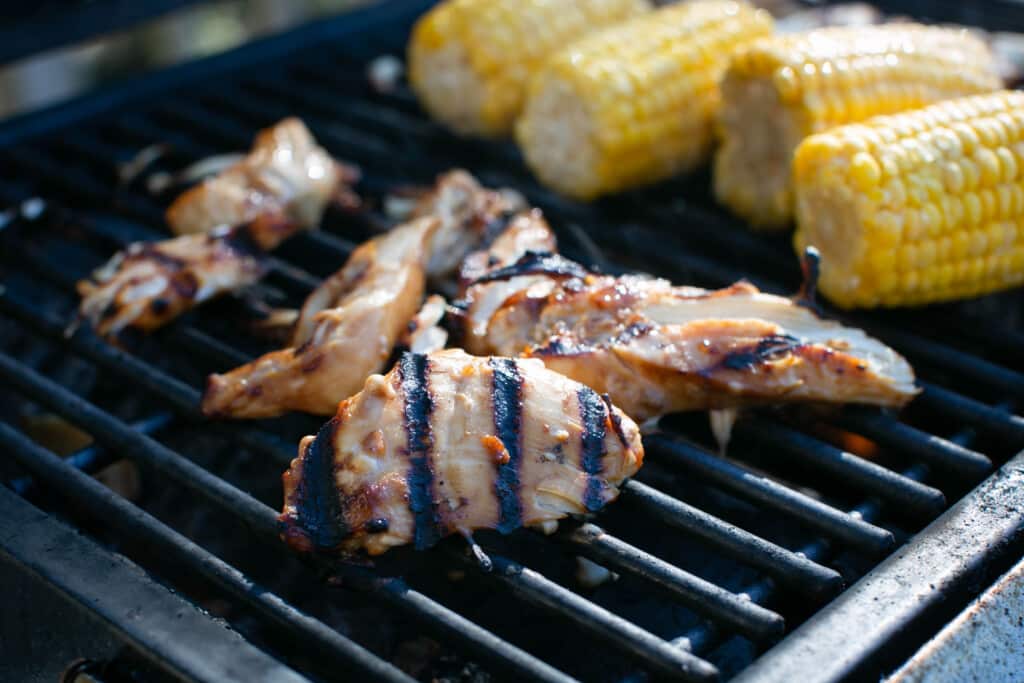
pixel 850 639
pixel 185 641
pixel 984 643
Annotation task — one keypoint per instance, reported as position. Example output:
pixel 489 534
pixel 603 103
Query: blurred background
pixel 53 49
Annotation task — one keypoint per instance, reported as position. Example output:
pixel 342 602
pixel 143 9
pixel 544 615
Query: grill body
pixel 729 566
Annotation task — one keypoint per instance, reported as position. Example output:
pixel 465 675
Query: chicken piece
pixel 283 184
pixel 346 331
pixel 657 348
pixel 449 443
pixel 424 333
pixel 151 283
pixel 527 233
pixel 471 217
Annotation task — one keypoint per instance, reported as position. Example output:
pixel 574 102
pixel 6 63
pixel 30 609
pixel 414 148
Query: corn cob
pixel 470 60
pixel 779 90
pixel 917 207
pixel 634 103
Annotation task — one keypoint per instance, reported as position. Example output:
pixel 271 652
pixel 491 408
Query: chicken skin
pixel 345 332
pixel 151 283
pixel 287 179
pixel 449 443
pixel 657 348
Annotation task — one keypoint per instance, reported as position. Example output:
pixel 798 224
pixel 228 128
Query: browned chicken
pixel 349 325
pixel 151 283
pixel 286 179
pixel 471 217
pixel 345 332
pixel 449 443
pixel 657 348
pixel 279 189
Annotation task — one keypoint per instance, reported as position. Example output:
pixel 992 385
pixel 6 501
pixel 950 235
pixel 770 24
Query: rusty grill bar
pixel 951 438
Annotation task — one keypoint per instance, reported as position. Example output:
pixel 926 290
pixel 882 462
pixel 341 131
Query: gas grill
pixel 825 546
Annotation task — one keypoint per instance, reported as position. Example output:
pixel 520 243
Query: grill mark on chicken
pixel 413 371
pixel 616 420
pixel 536 263
pixel 319 508
pixel 593 420
pixel 507 406
pixel 766 349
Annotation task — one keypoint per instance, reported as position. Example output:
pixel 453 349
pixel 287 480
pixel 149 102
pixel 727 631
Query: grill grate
pixel 780 526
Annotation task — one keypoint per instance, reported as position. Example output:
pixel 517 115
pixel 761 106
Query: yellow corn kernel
pixel 779 90
pixel 634 103
pixel 966 235
pixel 470 60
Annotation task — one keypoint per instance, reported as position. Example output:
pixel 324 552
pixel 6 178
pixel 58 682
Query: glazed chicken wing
pixel 346 331
pixel 150 283
pixel 285 181
pixel 658 348
pixel 448 443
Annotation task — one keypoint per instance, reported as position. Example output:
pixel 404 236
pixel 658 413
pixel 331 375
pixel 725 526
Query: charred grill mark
pixel 537 263
pixel 319 508
pixel 507 407
pixel 592 419
pixel 767 348
pixel 633 331
pixel 185 284
pixel 413 369
pixel 616 420
pixel 560 346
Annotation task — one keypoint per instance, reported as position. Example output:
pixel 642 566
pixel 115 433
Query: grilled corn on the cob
pixel 634 103
pixel 917 207
pixel 470 60
pixel 781 89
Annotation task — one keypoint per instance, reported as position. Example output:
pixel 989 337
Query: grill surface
pixel 719 557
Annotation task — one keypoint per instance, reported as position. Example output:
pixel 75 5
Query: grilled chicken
pixel 658 348
pixel 424 332
pixel 150 283
pixel 345 332
pixel 285 180
pixel 471 217
pixel 280 188
pixel 349 325
pixel 448 443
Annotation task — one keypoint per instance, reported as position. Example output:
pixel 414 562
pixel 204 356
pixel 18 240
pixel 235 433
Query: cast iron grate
pixel 720 556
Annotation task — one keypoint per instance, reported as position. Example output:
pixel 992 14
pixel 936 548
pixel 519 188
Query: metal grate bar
pixel 931 449
pixel 906 494
pixel 706 636
pixel 999 423
pixel 865 537
pixel 319 640
pixel 871 622
pixel 92 459
pixel 731 610
pixel 173 632
pixel 793 570
pixel 181 397
pixel 534 588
